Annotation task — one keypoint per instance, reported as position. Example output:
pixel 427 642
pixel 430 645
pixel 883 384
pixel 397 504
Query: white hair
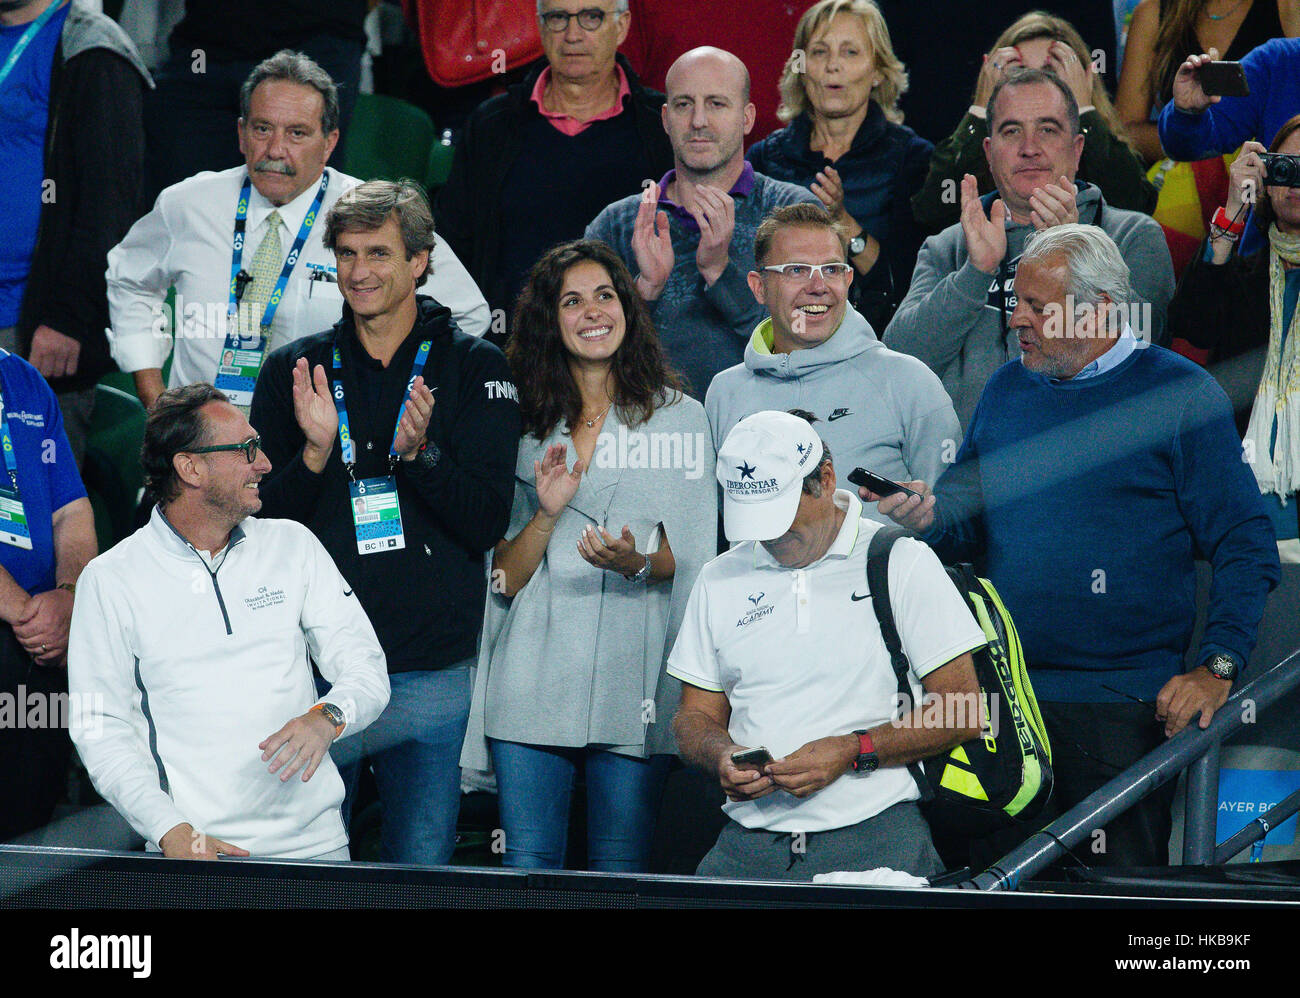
pixel 1096 266
pixel 620 7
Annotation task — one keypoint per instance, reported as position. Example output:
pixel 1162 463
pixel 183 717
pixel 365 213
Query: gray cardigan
pixel 576 658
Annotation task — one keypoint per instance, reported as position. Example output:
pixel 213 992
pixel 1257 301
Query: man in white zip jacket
pixel 196 635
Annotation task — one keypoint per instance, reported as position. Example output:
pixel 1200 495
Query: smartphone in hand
pixel 754 759
pixel 1223 79
pixel 879 485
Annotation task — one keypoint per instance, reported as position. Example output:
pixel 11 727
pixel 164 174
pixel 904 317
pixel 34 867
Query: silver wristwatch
pixel 857 244
pixel 643 574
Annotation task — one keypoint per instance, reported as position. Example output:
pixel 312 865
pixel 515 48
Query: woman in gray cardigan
pixel 615 512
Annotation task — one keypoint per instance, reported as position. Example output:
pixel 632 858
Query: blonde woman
pixel 1037 41
pixel 845 141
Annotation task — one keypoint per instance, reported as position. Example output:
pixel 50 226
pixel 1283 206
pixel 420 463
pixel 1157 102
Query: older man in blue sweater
pixel 1094 471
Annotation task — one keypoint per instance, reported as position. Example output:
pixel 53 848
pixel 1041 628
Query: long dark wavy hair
pixel 643 381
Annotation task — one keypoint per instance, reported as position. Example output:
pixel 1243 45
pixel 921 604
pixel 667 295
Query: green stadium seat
pixel 111 470
pixel 388 139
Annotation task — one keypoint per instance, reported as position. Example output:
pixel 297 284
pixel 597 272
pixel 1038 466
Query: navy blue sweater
pixel 1085 502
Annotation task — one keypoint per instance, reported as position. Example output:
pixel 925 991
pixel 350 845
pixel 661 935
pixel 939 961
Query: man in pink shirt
pixel 537 163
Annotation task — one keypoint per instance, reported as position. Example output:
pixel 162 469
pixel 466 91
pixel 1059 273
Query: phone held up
pixel 878 484
pixel 1223 79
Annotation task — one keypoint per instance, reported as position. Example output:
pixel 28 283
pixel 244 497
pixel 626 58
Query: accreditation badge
pixel 237 370
pixel 376 515
pixel 13 519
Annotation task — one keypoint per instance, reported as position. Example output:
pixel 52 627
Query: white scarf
pixel 1277 469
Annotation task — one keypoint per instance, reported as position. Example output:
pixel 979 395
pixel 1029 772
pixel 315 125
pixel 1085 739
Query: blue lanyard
pixel 237 255
pixel 348 449
pixel 6 440
pixel 32 31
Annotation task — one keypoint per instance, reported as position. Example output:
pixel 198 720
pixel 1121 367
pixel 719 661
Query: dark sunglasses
pixel 250 447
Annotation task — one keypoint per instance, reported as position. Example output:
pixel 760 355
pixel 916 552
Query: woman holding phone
pixel 614 514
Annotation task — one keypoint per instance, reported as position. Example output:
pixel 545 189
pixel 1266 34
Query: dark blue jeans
pixel 414 749
pixel 535 783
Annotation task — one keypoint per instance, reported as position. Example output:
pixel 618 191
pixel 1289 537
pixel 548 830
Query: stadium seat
pixel 388 139
pixel 111 470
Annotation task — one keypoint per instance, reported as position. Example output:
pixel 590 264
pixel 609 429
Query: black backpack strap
pixel 882 543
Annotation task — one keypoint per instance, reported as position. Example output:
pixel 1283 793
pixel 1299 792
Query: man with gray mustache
pixel 243 248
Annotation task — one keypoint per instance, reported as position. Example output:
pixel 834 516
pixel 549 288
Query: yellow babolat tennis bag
pixel 1006 775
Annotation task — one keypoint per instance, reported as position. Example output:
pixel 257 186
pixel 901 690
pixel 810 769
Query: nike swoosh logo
pixel 838 414
pixel 855 597
pixel 347 592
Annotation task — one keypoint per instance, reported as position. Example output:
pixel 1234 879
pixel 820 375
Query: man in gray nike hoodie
pixel 877 409
pixel 955 315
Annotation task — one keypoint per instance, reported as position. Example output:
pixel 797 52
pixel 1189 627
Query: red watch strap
pixel 865 744
pixel 1222 221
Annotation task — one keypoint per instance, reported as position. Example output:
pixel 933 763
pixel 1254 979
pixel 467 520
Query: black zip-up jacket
pixel 94 157
pixel 426 600
pixel 1224 311
pixel 469 206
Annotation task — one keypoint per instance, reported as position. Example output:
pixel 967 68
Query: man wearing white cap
pixel 781 650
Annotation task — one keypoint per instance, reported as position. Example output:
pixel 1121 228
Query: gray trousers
pixel 77 407
pixel 898 837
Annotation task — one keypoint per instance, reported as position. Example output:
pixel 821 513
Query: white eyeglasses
pixel 798 273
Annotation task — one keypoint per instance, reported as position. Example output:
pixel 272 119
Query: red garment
pixel 759 32
pixel 567 124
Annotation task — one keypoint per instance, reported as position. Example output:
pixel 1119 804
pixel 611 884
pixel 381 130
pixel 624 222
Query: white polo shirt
pixel 800 658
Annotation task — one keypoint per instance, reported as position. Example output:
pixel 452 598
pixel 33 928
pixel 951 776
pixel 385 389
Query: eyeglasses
pixel 798 273
pixel 589 19
pixel 250 447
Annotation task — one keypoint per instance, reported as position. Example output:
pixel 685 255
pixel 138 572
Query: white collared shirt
pixel 798 653
pixel 186 240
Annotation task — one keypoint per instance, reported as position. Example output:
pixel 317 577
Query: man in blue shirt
pixel 1093 472
pixel 72 154
pixel 47 535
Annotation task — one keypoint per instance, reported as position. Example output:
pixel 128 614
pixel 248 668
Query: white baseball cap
pixel 761 468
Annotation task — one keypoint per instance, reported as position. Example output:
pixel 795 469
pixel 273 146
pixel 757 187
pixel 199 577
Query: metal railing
pixel 1194 749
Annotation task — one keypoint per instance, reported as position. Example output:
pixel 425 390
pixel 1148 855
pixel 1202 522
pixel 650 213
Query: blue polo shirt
pixel 24 116
pixel 47 471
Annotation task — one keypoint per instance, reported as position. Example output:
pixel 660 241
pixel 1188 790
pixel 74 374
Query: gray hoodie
pixel 950 317
pixel 877 409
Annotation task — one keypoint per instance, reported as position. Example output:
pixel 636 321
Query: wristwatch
pixel 642 574
pixel 334 716
pixel 857 244
pixel 866 760
pixel 1222 667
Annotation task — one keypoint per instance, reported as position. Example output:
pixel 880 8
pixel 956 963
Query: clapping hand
pixel 313 408
pixel 652 245
pixel 412 427
pixel 556 484
pixel 715 213
pixel 830 189
pixel 614 554
pixel 986 236
pixel 1053 204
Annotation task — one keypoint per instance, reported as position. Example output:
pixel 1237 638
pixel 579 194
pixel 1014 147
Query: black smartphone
pixel 755 759
pixel 877 484
pixel 1223 79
